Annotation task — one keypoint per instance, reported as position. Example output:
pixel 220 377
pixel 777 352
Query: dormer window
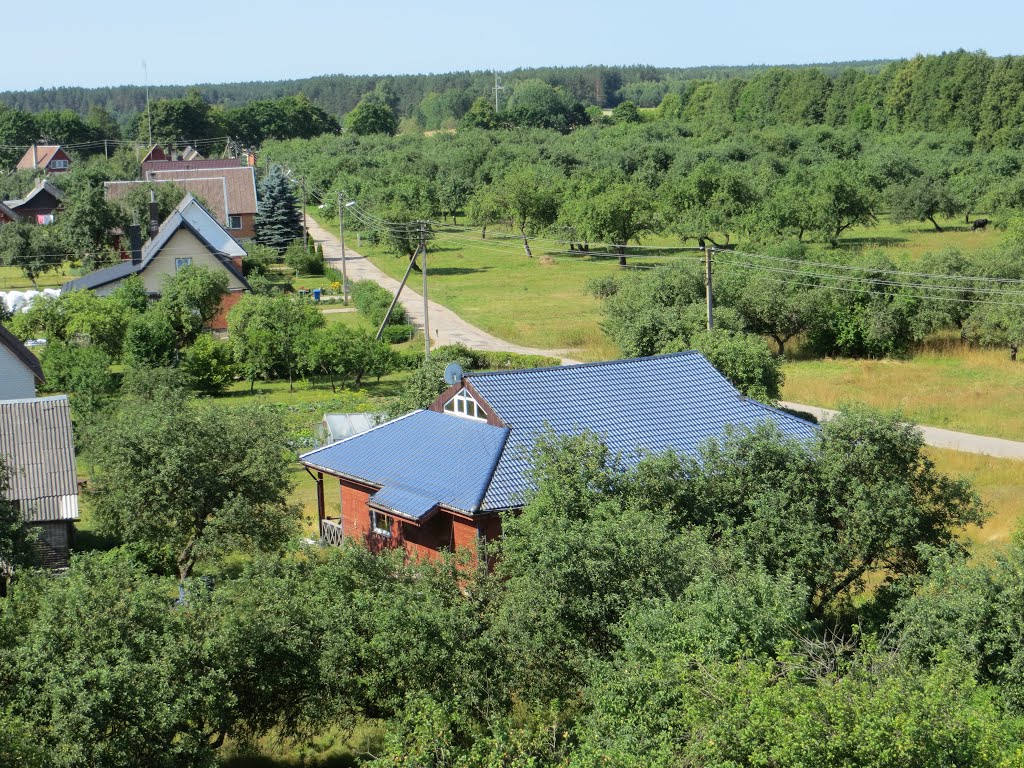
pixel 464 405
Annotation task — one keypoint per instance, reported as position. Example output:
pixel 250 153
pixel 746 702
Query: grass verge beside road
pixel 956 387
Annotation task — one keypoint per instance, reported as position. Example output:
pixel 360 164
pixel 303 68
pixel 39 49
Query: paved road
pixel 941 438
pixel 445 326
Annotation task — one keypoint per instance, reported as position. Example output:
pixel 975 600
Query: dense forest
pixel 600 85
pixel 958 91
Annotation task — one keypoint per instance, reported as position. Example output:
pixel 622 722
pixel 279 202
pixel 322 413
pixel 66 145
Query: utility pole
pixel 707 285
pixel 426 311
pixel 149 117
pixel 497 87
pixel 344 274
pixel 387 315
pixel 305 232
pixel 106 154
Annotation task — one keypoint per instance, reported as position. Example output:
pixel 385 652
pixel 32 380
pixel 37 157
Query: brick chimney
pixel 154 215
pixel 135 242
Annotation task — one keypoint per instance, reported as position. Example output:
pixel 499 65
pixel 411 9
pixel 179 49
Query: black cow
pixel 979 224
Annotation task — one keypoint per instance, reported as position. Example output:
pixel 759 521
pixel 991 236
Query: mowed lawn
pixel 961 388
pixel 538 302
pixel 13 279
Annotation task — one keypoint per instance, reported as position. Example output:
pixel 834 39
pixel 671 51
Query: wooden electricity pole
pixel 305 232
pixel 426 309
pixel 707 286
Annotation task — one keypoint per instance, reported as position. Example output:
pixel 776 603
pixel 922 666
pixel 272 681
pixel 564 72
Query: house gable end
pixel 449 394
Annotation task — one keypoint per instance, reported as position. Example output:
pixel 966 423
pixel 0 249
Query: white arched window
pixel 464 405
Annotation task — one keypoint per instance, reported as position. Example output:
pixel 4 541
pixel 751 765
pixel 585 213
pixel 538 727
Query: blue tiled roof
pixel 405 502
pixel 419 461
pixel 637 405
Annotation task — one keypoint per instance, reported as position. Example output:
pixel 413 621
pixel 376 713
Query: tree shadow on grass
pixel 455 270
pixel 88 540
pixel 852 243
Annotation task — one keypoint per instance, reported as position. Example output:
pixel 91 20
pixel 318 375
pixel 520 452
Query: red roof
pixel 44 153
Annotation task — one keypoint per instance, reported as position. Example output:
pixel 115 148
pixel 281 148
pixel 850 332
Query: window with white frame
pixel 58 164
pixel 464 405
pixel 234 222
pixel 179 263
pixel 380 523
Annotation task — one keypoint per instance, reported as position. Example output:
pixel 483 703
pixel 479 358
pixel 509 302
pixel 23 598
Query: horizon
pixel 463 37
pixel 500 72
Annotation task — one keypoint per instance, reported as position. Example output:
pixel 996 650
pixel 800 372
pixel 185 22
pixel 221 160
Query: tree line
pixel 957 91
pixel 338 94
pixel 190 119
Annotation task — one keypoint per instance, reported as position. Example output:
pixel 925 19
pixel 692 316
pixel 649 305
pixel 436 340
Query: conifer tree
pixel 278 220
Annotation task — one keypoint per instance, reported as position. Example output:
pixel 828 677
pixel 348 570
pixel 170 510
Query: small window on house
pixel 59 164
pixel 464 405
pixel 234 222
pixel 179 263
pixel 380 523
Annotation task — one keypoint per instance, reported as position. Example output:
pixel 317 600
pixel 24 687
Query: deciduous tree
pixel 193 481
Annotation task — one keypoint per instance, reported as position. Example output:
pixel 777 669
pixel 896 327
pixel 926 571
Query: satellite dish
pixel 453 374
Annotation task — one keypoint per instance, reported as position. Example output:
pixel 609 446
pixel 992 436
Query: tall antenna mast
pixel 149 117
pixel 497 87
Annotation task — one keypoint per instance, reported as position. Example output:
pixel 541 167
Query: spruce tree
pixel 278 220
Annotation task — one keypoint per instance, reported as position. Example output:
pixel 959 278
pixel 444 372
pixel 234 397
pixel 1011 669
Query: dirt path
pixel 941 438
pixel 445 326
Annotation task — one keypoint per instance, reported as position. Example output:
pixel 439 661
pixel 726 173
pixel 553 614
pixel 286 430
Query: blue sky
pixel 104 43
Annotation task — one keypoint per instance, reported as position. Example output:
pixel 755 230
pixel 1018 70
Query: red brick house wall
pixel 442 532
pixel 219 322
pixel 248 229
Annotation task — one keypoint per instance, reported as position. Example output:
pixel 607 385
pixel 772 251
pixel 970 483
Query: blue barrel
pixel 316 294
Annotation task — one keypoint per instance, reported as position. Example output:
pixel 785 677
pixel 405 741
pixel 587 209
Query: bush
pixel 397 334
pixel 258 259
pixel 208 365
pixel 493 361
pixel 602 287
pixel 303 261
pixel 149 341
pixel 372 301
pixel 743 358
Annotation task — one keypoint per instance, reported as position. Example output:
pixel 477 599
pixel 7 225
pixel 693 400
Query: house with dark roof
pixel 440 479
pixel 38 450
pixel 189 236
pixel 50 157
pixel 20 370
pixel 7 214
pixel 39 205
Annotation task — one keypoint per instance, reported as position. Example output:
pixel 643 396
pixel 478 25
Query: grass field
pixel 955 387
pixel 13 279
pixel 1000 483
pixel 542 302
